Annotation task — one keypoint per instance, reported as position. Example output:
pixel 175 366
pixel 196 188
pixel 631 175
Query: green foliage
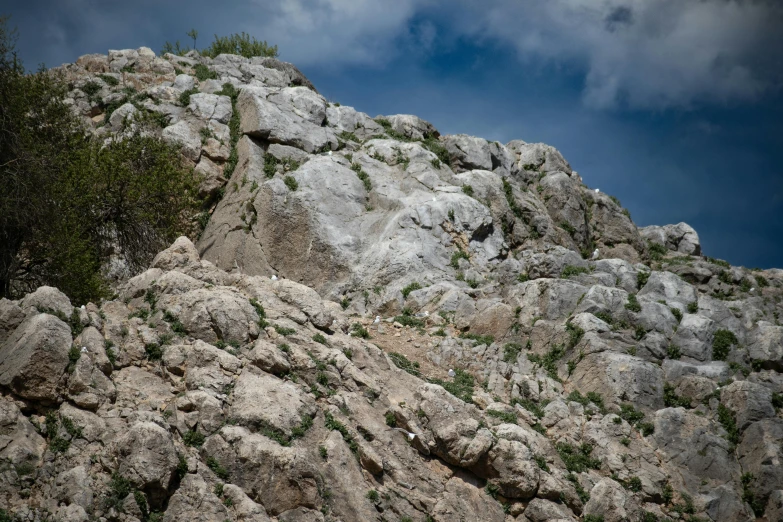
pixel 565 225
pixel 541 461
pixel 777 400
pixel 758 504
pixel 285 331
pixel 119 488
pixel 333 424
pixel 468 190
pixel 241 44
pixel 193 438
pixel 761 281
pixel 728 421
pixel 693 307
pixel 657 251
pixel 433 145
pixel 507 417
pixel 511 352
pixel 575 334
pixel 154 351
pixel 721 343
pixel 74 354
pixel 203 73
pixel 357 330
pixel 511 200
pixel 373 496
pixel 480 339
pixel 66 199
pixel 391 420
pixel 633 484
pixel 291 183
pixel 319 338
pixel 184 98
pixel 571 270
pixel 630 414
pixel 641 279
pixel 217 468
pixel 456 256
pixel 677 313
pixel 363 176
pixel 111 81
pixel 633 304
pixel 549 360
pixel 408 319
pixel 461 386
pixel 673 352
pixel 323 452
pixel 577 459
pixel 404 363
pixel 410 288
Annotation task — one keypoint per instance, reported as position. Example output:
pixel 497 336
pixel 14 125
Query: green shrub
pixel 507 417
pixel 193 438
pixel 673 352
pixel 456 256
pixel 154 351
pixel 657 251
pixel 404 363
pixel 761 281
pixel 468 190
pixel 408 319
pixel 511 352
pixel 672 400
pixel 727 420
pixel 203 73
pixel 357 330
pixel 571 270
pixel 391 420
pixel 90 199
pixel 480 339
pixel 217 468
pixel 184 98
pixel 373 496
pixel 549 360
pixel 633 484
pixel 677 313
pixel 111 81
pixel 641 279
pixel 410 288
pixel 284 331
pixel 721 343
pixel 693 307
pixel 241 44
pixel 633 304
pixel 577 459
pixel 461 386
pixel 291 183
pixel 319 338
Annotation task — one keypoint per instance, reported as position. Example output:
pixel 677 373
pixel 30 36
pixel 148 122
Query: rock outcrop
pixel 513 373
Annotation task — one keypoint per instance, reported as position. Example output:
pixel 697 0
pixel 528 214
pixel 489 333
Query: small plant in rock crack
pixel 291 183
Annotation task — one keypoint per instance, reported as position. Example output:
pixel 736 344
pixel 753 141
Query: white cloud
pixel 339 32
pixel 649 54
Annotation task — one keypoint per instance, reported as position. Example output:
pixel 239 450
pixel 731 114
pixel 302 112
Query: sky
pixel 673 106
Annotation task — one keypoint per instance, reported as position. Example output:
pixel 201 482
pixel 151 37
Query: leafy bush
pixel 672 400
pixel 456 256
pixel 641 279
pixel 461 386
pixel 468 190
pixel 721 343
pixel 404 363
pixel 203 73
pixel 184 98
pixel 571 270
pixel 408 319
pixel 633 304
pixel 693 307
pixel 242 44
pixel 67 200
pixel 410 288
pixel 673 352
pixel 729 423
pixel 319 338
pixel 291 183
pixel 577 459
pixel 511 352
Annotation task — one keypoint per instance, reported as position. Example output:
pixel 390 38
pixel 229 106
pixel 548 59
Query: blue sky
pixel 673 106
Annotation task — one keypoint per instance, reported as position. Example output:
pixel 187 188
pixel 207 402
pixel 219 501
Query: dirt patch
pixel 410 343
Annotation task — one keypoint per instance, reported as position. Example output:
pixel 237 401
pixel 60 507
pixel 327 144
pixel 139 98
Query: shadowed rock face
pixel 642 381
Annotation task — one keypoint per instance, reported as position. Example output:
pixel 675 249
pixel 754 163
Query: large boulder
pixel 680 237
pixel 148 459
pixel 34 358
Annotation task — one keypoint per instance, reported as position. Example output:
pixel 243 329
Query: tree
pixel 193 34
pixel 70 204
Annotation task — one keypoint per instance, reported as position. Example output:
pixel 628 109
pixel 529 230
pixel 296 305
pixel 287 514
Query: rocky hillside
pixel 535 355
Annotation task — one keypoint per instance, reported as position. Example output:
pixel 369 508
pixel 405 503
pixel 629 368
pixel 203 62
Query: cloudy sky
pixel 674 106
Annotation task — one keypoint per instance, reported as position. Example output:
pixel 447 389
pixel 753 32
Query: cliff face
pixel 601 372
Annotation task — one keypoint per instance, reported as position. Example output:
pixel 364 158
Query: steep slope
pixel 642 383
